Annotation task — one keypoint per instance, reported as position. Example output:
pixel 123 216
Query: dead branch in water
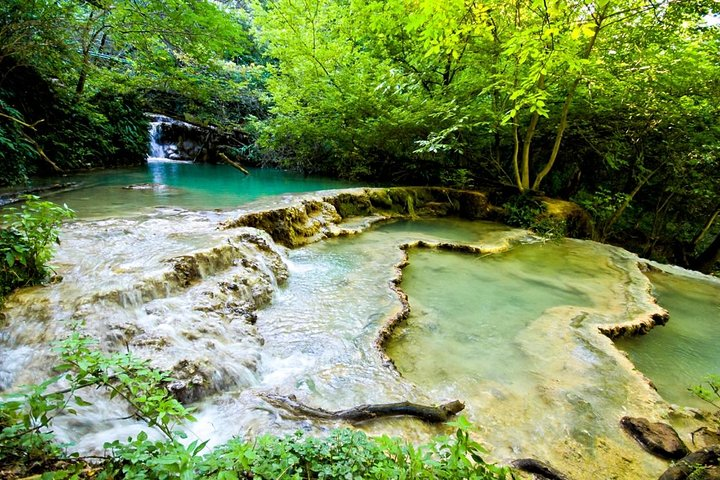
pixel 427 413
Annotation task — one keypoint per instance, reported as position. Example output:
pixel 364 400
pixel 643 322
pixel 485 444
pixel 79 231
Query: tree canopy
pixel 611 103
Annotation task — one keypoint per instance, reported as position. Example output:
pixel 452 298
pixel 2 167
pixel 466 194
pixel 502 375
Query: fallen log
pixel 361 413
pixel 233 164
pixel 17 195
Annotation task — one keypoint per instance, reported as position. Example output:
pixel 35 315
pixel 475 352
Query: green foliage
pixel 602 204
pixel 142 458
pixel 26 415
pixel 709 390
pixel 124 376
pixel 77 77
pixel 27 239
pixel 351 454
pixel 16 149
pixel 22 418
pixel 523 211
pixel 461 178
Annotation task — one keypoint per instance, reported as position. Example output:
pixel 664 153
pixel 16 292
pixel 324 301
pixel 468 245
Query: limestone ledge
pixel 310 218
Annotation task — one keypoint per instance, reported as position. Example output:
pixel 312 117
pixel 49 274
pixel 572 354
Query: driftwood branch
pixel 361 413
pixel 233 164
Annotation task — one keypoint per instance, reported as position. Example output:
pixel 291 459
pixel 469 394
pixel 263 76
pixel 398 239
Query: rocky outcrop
pixel 636 327
pixel 314 218
pixel 294 225
pixel 178 140
pixel 660 439
pixel 578 223
pixel 705 437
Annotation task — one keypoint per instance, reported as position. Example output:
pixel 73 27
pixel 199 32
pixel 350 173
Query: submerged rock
pixel 539 470
pixel 658 438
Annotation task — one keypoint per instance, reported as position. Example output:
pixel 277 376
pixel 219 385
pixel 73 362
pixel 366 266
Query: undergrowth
pixel 526 211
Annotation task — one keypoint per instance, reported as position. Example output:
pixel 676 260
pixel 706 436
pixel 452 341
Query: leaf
pixel 81 402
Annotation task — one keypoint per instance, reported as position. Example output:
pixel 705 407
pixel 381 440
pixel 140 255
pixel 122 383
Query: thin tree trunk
pixel 516 152
pixel 568 101
pixel 618 213
pixel 82 78
pixel 526 151
pixel 698 238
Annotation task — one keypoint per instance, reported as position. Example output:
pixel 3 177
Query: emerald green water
pixel 514 336
pixel 684 351
pixel 467 310
pixel 178 184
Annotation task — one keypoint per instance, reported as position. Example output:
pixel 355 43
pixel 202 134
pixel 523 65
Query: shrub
pixel 27 239
pixel 526 211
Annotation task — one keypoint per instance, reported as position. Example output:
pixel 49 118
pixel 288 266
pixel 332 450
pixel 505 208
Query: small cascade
pixel 187 303
pixel 173 140
pixel 157 151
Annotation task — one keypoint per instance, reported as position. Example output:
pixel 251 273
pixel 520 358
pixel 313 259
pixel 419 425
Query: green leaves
pixel 27 239
pixel 352 455
pixel 708 391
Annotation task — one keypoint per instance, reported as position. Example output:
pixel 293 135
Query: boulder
pixel 702 465
pixel 660 439
pixel 705 437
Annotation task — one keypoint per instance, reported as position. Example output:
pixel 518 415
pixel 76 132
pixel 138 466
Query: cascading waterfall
pixel 157 151
pixel 173 140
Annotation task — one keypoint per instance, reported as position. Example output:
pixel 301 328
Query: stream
pixel 511 331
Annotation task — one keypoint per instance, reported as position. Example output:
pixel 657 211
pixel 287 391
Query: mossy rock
pixel 351 205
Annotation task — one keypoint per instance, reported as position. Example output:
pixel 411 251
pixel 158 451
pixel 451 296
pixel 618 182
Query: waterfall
pixel 173 140
pixel 156 149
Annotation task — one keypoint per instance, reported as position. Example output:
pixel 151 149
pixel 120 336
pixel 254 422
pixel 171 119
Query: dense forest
pixel 609 103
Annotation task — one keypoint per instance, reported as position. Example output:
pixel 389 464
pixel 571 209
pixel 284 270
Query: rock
pixel 705 437
pixel 539 470
pixel 578 223
pixel 660 439
pixel 695 464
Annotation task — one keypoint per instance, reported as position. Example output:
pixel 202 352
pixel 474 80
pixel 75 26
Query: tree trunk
pixel 568 100
pixel 621 209
pixel 516 152
pixel 525 174
pixel 701 234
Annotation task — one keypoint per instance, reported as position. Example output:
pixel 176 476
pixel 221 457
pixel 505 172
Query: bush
pixel 523 211
pixel 27 239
